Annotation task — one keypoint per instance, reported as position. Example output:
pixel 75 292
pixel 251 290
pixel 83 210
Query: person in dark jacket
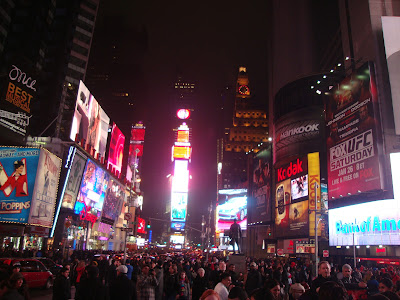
pixel 122 288
pixel 324 275
pixel 200 284
pixel 253 280
pixel 62 285
pixel 112 271
pixel 91 288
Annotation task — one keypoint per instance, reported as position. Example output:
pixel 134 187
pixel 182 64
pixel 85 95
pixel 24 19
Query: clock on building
pixel 244 90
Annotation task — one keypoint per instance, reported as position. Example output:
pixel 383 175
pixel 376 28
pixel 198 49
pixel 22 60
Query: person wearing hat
pixel 15 283
pixel 253 279
pixel 122 287
pixel 296 290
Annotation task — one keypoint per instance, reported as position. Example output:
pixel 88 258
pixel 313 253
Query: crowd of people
pixel 189 277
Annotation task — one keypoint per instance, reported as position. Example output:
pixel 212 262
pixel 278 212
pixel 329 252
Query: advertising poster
pixel 232 205
pixel 73 182
pixel 260 202
pixel 113 201
pixel 93 188
pixel 291 199
pixel 135 149
pixel 141 225
pixel 90 122
pixel 18 168
pixel 352 144
pixel 178 206
pixel 116 151
pixel 45 191
pixel 18 94
pixel 298 132
pixel 177 226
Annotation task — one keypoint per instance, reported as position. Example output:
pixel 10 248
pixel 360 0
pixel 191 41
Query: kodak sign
pixel 314 177
pixel 296 167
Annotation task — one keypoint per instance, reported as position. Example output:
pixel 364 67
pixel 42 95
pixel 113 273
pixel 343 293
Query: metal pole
pixel 316 230
pixel 354 253
pixel 202 231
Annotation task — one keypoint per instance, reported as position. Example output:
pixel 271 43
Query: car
pixel 234 208
pixel 50 264
pixel 35 273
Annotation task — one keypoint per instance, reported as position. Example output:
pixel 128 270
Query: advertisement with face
pixel 232 205
pixel 94 185
pixel 18 94
pixel 135 149
pixel 90 122
pixel 260 202
pixel 352 124
pixel 291 199
pixel 113 201
pixel 116 151
pixel 73 182
pixel 45 191
pixel 18 168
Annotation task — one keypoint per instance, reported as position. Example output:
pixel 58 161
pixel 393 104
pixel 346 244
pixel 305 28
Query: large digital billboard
pixel 116 151
pixel 113 201
pixel 352 140
pixel 90 121
pixel 93 188
pixel 372 223
pixel 76 161
pixel 232 204
pixel 18 95
pixel 179 190
pixel 135 149
pixel 45 191
pixel 18 168
pixel 260 208
pixel 291 195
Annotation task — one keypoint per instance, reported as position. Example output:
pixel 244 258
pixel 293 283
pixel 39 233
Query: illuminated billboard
pixel 177 239
pixel 135 149
pixel 45 191
pixel 180 187
pixel 113 202
pixel 181 152
pixel 116 150
pixel 90 121
pixel 76 162
pixel 177 226
pixel 260 200
pixel 232 205
pixel 93 188
pixel 141 227
pixel 352 141
pixel 18 168
pixel 291 213
pixel 372 223
pixel 178 206
pixel 18 95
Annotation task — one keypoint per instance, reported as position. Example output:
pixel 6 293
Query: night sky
pixel 207 42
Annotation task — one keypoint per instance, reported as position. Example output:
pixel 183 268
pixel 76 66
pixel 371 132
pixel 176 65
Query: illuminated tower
pixel 181 155
pixel 250 127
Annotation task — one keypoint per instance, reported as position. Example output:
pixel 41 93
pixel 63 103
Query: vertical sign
pixel 314 179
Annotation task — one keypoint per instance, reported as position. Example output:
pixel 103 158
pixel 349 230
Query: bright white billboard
pixel 372 223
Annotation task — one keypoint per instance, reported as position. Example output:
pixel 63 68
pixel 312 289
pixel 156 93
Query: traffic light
pixel 148 225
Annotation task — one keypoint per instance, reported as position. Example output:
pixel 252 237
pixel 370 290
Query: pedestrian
pixel 324 275
pixel 146 284
pixel 200 284
pixel 91 288
pixel 112 271
pixel 275 288
pixel 160 278
pixel 12 286
pixel 171 283
pixel 253 279
pixel 122 288
pixel 62 285
pixel 80 269
pixel 237 293
pixel 183 286
pixel 129 267
pixel 223 287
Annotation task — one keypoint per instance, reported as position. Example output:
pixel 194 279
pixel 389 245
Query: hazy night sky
pixel 207 41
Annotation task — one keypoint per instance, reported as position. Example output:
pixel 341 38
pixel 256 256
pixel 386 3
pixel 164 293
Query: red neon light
pixel 86 216
pixel 183 114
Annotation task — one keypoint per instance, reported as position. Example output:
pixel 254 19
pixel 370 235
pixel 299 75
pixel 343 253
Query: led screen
pixel 73 182
pixel 135 149
pixel 180 182
pixel 90 122
pixel 94 185
pixel 18 168
pixel 178 206
pixel 372 223
pixel 45 191
pixel 113 201
pixel 182 152
pixel 141 225
pixel 234 206
pixel 178 226
pixel 177 239
pixel 299 187
pixel 116 151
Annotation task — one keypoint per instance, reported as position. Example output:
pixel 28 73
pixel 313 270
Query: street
pixel 41 294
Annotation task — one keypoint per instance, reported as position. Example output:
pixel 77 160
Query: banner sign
pixel 18 168
pixel 116 151
pixel 76 161
pixel 352 126
pixel 113 202
pixel 260 202
pixel 45 191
